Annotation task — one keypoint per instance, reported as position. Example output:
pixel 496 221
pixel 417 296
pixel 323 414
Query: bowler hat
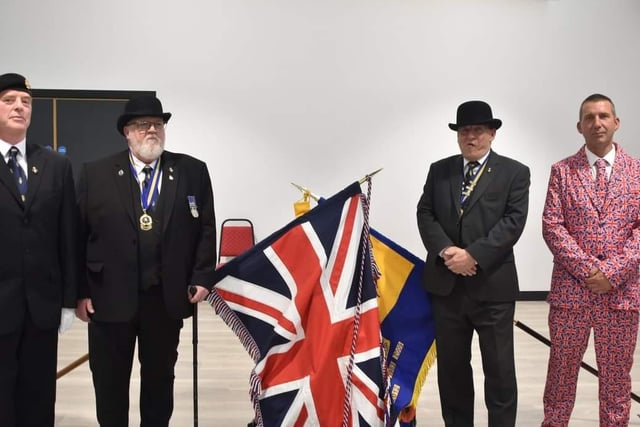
pixel 14 81
pixel 141 106
pixel 475 113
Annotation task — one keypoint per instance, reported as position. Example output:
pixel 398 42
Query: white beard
pixel 149 150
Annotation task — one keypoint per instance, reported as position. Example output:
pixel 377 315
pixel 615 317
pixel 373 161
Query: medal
pixel 148 194
pixel 193 207
pixel 146 222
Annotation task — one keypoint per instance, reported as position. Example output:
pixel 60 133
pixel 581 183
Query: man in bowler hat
pixel 149 249
pixel 472 212
pixel 38 267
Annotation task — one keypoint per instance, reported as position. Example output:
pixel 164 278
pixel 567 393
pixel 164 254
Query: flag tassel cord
pixel 346 412
pixel 546 341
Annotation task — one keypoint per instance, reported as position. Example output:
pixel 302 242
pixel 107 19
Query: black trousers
pixel 456 318
pixel 111 349
pixel 28 362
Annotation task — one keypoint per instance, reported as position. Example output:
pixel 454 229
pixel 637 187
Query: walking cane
pixel 546 341
pixel 194 340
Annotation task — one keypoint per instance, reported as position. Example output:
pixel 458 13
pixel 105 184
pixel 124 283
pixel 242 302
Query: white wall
pixel 322 92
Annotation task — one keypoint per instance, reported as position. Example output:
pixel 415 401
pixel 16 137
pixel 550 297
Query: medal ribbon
pixel 148 194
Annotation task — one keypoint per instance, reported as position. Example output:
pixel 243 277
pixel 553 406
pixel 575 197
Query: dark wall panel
pixel 41 128
pixel 79 124
pixel 87 129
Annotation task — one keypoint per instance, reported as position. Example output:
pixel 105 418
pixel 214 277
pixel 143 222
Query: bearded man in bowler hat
pixel 38 267
pixel 149 235
pixel 472 212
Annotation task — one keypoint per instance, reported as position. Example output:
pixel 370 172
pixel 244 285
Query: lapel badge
pixel 34 170
pixel 120 172
pixel 488 170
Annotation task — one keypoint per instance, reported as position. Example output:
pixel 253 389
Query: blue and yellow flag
pixel 406 323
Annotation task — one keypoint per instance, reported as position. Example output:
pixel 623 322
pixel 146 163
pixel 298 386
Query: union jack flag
pixel 303 303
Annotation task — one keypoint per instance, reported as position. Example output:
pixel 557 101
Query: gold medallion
pixel 146 222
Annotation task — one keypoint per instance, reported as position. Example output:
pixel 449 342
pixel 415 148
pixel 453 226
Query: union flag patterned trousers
pixel 615 333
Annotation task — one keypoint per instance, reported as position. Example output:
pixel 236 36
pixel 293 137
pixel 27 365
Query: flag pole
pixel 316 197
pixel 363 179
pixel 71 366
pixel 546 341
pixel 306 191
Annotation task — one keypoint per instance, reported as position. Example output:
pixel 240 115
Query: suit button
pixel 25 220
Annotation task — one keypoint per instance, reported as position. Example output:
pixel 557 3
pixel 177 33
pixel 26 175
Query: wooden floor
pixel 224 369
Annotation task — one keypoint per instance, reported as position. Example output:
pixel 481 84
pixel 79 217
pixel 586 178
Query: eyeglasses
pixel 145 125
pixel 474 130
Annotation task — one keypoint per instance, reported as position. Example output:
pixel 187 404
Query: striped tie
pixel 468 179
pixel 18 173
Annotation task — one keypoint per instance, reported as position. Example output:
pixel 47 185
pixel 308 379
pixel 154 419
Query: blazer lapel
pixel 615 186
pixel 455 170
pixel 36 168
pixel 583 172
pixel 7 180
pixel 122 176
pixel 170 176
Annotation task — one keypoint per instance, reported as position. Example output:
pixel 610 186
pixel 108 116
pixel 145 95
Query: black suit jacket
pixel 110 230
pixel 38 267
pixel 489 227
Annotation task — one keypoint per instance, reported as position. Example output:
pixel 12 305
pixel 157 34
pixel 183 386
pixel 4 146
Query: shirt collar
pixel 5 147
pixel 609 157
pixel 139 165
pixel 481 160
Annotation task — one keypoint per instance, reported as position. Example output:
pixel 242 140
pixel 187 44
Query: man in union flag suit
pixel 590 223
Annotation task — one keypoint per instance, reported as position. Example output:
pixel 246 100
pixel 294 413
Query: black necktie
pixel 18 173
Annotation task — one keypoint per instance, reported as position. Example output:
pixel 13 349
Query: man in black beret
pixel 149 251
pixel 38 267
pixel 471 214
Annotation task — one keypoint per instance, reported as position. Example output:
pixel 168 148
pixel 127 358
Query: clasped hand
pixel 597 282
pixel 459 261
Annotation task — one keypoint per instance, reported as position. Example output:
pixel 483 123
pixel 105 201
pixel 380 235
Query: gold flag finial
pixel 306 191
